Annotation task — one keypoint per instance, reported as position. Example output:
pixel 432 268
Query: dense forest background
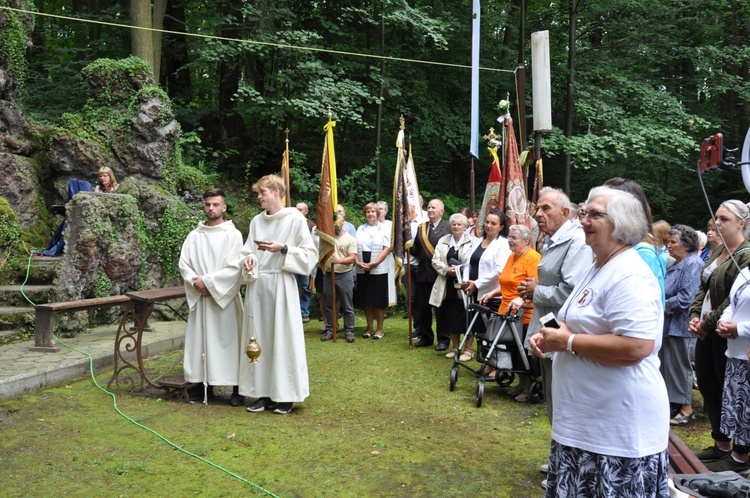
pixel 645 83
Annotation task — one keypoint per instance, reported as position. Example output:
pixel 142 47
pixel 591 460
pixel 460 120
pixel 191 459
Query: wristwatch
pixel 284 249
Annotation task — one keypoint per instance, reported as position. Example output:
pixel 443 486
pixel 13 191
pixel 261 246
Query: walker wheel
pixel 454 377
pixel 537 392
pixel 505 378
pixel 480 393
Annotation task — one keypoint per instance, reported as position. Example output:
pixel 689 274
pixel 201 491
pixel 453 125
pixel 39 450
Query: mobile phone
pixel 259 242
pixel 549 320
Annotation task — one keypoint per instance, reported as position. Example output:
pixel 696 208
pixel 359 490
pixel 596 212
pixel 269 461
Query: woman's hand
pixel 696 329
pixel 486 297
pixel 451 271
pixel 727 330
pixel 555 339
pixel 469 286
pixel 516 304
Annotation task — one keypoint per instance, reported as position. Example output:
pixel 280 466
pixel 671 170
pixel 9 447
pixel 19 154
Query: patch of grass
pixel 369 396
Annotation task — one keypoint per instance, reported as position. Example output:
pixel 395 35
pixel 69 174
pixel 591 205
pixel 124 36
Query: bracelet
pixel 570 345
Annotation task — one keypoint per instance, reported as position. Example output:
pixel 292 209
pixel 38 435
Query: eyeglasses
pixel 594 214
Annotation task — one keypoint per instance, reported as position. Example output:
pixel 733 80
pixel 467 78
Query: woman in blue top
pixel 681 284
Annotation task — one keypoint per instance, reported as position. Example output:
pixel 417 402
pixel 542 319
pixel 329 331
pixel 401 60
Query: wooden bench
pixel 682 460
pixel 44 327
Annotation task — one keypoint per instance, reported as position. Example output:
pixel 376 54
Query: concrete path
pixel 23 370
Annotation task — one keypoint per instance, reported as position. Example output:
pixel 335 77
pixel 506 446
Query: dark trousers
pixel 424 315
pixel 413 289
pixel 710 363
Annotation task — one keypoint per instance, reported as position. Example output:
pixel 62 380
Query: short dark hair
pixel 214 192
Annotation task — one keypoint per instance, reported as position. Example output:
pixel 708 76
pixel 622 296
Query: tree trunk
pixel 160 8
pixel 141 40
pixel 175 59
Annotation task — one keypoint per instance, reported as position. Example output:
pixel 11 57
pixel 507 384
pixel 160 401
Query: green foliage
pixel 9 231
pixel 119 78
pixel 102 285
pixel 13 46
pixel 165 240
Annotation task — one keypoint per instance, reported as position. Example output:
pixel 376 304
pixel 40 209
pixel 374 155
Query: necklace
pixel 591 275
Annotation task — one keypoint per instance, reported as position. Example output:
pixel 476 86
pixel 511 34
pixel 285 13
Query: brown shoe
pixel 327 337
pixel 350 337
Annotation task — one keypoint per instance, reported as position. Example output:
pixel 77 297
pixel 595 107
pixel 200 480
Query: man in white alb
pixel 209 269
pixel 278 245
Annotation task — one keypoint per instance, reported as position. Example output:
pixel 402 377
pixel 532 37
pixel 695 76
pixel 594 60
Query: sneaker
pixel 712 454
pixel 237 400
pixel 544 468
pixel 283 408
pixel 742 468
pixel 544 484
pixel 305 319
pixel 350 337
pixel 327 337
pixel 261 405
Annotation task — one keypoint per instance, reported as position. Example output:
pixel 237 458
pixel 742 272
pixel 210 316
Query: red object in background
pixel 711 152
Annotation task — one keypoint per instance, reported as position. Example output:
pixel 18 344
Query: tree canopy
pixel 651 80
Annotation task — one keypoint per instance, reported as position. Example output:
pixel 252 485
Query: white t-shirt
pixel 616 411
pixel 739 311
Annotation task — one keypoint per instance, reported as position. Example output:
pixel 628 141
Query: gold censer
pixel 252 350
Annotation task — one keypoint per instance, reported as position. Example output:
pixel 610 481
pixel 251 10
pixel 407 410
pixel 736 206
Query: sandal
pixel 466 355
pixel 682 420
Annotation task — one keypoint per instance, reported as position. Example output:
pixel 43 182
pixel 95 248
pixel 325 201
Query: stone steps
pixel 16 313
pixel 15 321
pixel 13 295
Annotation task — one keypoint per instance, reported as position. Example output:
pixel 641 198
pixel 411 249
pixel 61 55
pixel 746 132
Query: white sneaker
pixel 544 484
pixel 544 468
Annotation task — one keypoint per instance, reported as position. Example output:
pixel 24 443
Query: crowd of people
pixel 643 310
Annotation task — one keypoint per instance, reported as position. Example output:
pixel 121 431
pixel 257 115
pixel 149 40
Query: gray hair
pixel 686 236
pixel 458 217
pixel 625 212
pixel 563 201
pixel 383 204
pixel 702 238
pixel 522 230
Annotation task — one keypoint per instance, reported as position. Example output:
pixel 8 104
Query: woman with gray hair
pixel 610 424
pixel 680 284
pixel 710 302
pixel 449 307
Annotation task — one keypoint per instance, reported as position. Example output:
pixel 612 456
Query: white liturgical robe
pixel 272 308
pixel 213 337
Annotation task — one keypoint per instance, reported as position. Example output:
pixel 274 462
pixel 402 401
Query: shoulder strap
pixel 428 247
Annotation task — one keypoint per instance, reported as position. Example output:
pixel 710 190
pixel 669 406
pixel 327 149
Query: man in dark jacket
pixel 427 237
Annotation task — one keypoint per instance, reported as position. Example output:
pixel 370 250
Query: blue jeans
pixel 303 281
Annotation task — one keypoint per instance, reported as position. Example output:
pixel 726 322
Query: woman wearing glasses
pixel 610 425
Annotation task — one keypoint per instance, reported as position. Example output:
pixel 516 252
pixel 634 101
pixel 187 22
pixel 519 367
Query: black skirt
pixel 372 290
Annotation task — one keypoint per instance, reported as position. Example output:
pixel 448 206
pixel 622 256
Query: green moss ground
pixel 366 396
